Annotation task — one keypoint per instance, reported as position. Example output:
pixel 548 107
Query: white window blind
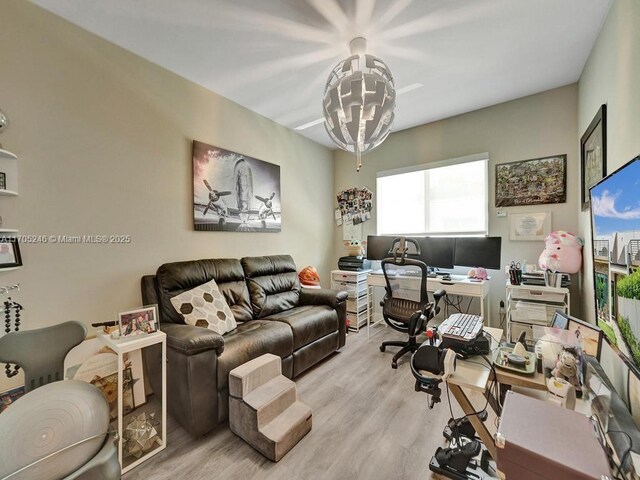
pixel 443 198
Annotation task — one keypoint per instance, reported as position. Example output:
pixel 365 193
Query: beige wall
pixel 104 145
pixel 611 76
pixel 535 126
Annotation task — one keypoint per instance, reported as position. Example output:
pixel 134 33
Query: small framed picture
pixel 593 155
pixel 138 322
pixel 9 253
pixel 589 335
pixel 529 226
pixel 3 181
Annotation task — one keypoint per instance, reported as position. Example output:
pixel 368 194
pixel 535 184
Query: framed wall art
pixel 234 192
pixel 593 155
pixel 10 253
pixel 529 226
pixel 532 182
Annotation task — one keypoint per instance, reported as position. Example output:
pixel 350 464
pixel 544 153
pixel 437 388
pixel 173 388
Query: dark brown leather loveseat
pixel 274 315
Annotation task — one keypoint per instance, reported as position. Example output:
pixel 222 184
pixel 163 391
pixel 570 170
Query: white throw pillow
pixel 205 306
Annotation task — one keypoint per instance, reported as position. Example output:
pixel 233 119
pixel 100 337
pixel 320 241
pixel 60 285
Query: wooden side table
pixel 155 403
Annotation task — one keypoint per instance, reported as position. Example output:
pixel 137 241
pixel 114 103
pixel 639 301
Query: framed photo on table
pixel 138 322
pixel 529 226
pixel 593 155
pixel 9 253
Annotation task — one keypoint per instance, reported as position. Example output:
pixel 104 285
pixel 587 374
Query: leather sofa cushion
pixel 308 323
pixel 178 277
pixel 249 341
pixel 273 284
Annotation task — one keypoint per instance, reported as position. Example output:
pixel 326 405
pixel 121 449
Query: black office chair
pixel 407 316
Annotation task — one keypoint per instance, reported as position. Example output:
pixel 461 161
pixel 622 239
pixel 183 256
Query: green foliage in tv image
pixel 608 331
pixel 629 338
pixel 629 287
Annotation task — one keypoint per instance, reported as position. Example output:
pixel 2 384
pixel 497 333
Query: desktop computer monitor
pixel 437 252
pixel 478 252
pixel 380 247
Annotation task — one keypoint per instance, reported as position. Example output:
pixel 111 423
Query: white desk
pixel 458 285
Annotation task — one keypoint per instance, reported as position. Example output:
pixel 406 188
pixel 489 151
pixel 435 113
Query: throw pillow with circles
pixel 204 306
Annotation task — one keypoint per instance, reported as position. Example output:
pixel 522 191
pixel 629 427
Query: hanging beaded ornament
pixel 11 308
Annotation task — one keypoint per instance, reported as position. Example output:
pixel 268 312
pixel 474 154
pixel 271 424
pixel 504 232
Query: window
pixel 443 198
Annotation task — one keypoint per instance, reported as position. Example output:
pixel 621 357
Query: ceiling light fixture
pixel 359 101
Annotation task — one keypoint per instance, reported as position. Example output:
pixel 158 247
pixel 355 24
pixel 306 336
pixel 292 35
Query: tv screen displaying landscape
pixel 615 215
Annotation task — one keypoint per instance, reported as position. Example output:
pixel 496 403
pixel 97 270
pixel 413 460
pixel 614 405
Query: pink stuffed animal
pixel 562 253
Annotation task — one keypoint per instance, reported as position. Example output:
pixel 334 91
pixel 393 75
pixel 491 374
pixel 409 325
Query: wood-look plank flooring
pixel 368 423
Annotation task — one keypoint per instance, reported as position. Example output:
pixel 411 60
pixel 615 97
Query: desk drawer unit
pixel 537 295
pixel 529 305
pixel 357 320
pixel 355 284
pixel 354 290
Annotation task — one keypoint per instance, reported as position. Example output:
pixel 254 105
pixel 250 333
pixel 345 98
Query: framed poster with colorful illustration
pixel 532 182
pixel 593 155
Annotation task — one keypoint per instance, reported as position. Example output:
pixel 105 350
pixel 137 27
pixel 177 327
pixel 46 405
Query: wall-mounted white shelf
pixel 9 167
pixel 7 154
pixel 9 269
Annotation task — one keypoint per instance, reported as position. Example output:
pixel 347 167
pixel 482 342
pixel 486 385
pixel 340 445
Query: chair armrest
pixel 323 296
pixel 190 340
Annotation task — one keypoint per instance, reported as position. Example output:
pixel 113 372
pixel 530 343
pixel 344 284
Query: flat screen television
pixel 615 233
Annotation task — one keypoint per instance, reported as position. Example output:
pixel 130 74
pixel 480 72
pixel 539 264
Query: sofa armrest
pixel 190 340
pixel 323 296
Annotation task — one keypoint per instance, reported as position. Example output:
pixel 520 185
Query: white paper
pixel 350 231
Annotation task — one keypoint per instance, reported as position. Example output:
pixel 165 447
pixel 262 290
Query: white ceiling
pixel 273 56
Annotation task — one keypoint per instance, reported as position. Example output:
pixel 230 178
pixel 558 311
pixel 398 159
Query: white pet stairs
pixel 264 409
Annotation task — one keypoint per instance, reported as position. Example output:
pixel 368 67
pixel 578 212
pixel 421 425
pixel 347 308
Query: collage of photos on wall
pixel 355 205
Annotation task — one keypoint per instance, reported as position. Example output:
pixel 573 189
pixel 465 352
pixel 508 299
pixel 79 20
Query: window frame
pixel 476 157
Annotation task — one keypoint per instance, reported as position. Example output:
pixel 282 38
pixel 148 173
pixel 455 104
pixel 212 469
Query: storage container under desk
pixel 357 320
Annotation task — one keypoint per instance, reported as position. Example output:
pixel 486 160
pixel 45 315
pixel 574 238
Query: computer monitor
pixel 478 252
pixel 379 246
pixel 437 252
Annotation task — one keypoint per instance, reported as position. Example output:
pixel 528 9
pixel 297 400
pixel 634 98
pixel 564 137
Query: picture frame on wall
pixel 532 182
pixel 593 155
pixel 233 192
pixel 10 253
pixel 531 226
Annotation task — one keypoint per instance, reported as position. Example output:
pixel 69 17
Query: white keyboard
pixel 461 326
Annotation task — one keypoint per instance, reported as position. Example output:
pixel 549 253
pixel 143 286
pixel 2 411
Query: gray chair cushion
pixel 308 323
pixel 249 341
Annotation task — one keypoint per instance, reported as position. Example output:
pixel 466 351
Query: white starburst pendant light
pixel 359 101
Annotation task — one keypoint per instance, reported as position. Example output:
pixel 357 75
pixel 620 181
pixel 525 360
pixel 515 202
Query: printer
pixel 354 264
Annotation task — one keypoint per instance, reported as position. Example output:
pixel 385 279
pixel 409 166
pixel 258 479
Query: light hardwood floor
pixel 368 423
